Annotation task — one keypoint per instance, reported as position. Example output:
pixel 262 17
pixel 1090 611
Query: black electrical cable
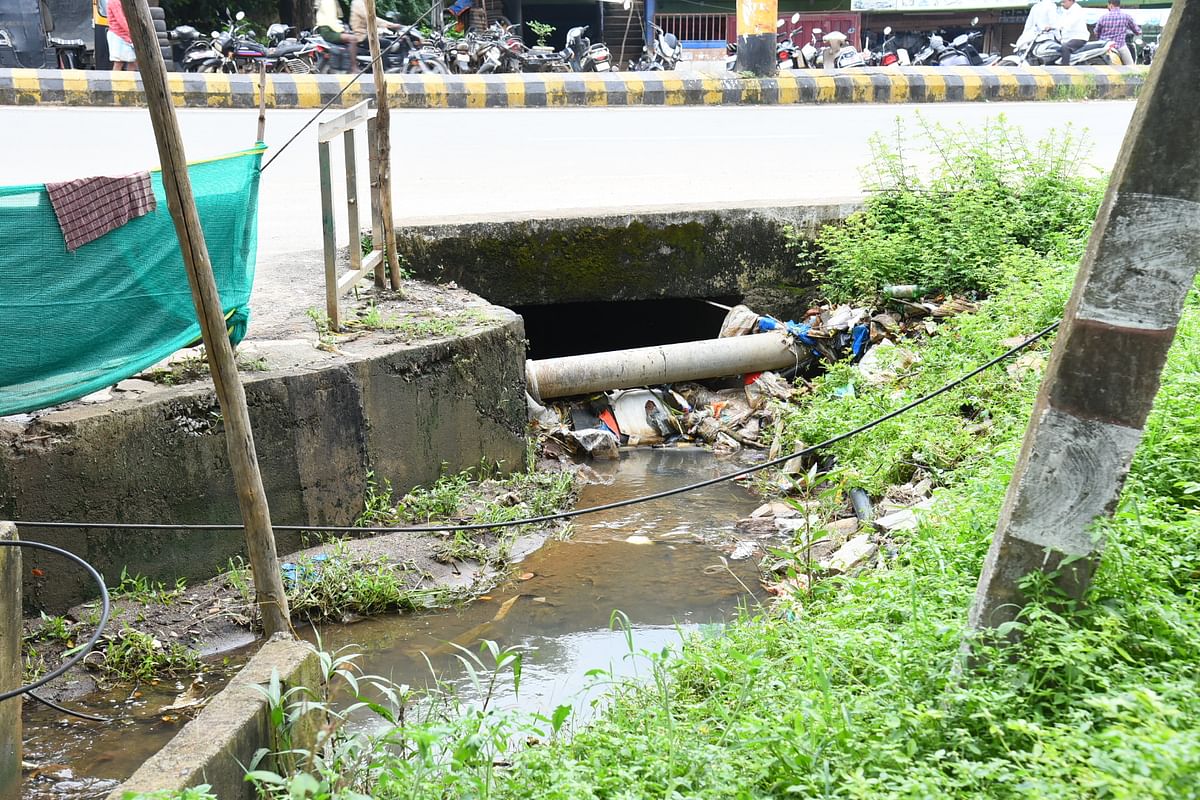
pixel 105 608
pixel 65 710
pixel 153 526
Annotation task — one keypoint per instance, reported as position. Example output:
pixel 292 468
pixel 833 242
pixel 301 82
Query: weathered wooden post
pixel 383 149
pixel 1106 364
pixel 262 101
pixel 239 438
pixel 11 672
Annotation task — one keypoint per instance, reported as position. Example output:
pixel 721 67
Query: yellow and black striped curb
pixel 872 85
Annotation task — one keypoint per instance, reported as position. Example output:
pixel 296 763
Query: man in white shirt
pixel 1042 17
pixel 1073 25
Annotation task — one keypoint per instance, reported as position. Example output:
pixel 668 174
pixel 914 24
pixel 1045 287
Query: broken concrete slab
pixel 851 555
pixel 904 519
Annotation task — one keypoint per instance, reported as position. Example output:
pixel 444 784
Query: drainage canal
pixel 659 563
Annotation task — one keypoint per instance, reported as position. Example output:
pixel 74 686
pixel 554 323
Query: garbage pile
pixel 729 419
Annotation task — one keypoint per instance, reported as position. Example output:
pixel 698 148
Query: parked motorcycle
pixel 1144 51
pixel 403 51
pixel 1046 48
pixel 190 49
pixel 583 56
pixel 663 54
pixel 236 50
pixel 894 49
pixel 961 52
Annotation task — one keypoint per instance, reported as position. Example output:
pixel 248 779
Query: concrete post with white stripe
pixel 1106 365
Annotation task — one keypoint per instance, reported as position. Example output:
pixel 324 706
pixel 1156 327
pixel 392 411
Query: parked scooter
pixel 663 54
pixel 961 52
pixel 583 56
pixel 887 54
pixel 1045 49
pixel 838 53
pixel 810 53
pixel 787 52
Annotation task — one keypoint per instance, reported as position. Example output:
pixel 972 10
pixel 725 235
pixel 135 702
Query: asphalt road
pixel 521 162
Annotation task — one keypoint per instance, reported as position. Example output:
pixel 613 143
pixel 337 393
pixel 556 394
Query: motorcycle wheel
pixel 1009 61
pixel 428 68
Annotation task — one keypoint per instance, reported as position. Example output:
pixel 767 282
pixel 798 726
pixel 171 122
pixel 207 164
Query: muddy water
pixel 77 759
pixel 657 562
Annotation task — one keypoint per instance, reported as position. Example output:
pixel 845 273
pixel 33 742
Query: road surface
pixel 525 162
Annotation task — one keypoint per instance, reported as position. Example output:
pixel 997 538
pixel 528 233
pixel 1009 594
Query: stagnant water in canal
pixel 656 562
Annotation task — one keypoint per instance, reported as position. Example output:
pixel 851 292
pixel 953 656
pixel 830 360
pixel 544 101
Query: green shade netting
pixel 74 323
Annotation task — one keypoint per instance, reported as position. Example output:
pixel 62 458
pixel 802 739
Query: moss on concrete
pixel 683 254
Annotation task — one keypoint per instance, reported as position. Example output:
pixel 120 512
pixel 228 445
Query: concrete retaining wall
pixel 694 253
pixel 870 85
pixel 10 663
pixel 400 410
pixel 216 746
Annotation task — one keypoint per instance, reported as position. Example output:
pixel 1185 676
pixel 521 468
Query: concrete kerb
pixel 217 747
pixel 871 85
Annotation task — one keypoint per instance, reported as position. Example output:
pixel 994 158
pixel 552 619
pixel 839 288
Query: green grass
pixel 132 655
pixel 341 584
pixel 140 589
pixel 476 496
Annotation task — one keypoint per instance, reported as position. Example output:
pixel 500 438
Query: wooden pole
pixel 239 438
pixel 383 143
pixel 262 101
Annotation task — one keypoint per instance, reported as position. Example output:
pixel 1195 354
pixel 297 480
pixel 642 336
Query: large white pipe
pixel 668 363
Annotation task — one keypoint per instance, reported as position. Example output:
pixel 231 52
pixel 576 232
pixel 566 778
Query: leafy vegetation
pixel 992 210
pixel 133 655
pixel 338 583
pixel 341 582
pixel 478 496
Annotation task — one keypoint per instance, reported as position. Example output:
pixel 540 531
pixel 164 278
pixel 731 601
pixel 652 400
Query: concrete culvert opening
pixel 569 329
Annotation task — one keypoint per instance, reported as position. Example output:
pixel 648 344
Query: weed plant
pixel 131 655
pixel 341 583
pixel 476 496
pixel 987 213
pixel 140 589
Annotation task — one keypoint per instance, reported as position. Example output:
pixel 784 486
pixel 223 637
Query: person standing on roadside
pixel 1115 26
pixel 1073 25
pixel 120 40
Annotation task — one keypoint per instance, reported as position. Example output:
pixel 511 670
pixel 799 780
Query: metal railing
pixel 698 27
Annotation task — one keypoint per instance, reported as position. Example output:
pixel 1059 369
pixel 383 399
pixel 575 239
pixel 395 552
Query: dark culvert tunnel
pixel 570 329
